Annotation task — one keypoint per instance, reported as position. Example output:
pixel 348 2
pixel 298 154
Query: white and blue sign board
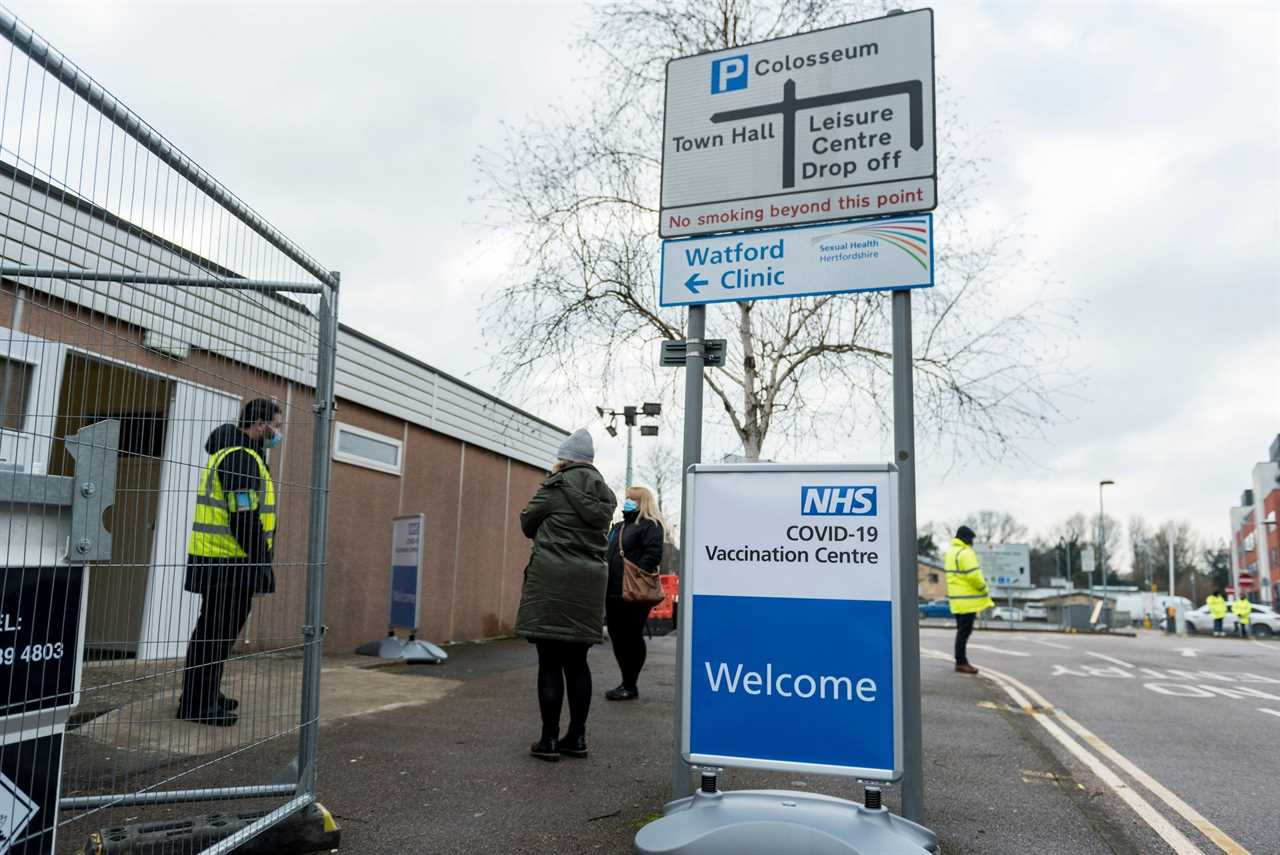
pixel 406 570
pixel 874 255
pixel 793 628
pixel 1005 564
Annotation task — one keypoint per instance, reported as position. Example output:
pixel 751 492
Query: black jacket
pixel 237 472
pixel 641 540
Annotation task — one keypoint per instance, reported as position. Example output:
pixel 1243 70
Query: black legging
pixel 562 663
pixel 626 632
pixel 964 629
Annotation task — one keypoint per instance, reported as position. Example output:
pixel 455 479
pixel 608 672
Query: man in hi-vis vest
pixel 967 592
pixel 229 553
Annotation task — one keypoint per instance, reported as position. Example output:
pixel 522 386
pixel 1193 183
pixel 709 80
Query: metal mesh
pixel 141 305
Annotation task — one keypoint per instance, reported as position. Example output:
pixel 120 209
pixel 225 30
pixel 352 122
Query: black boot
pixel 229 704
pixel 546 748
pixel 622 693
pixel 574 744
pixel 214 716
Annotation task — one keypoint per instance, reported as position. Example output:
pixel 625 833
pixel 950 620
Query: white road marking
pixel 1270 646
pixel 1140 806
pixel 999 650
pixel 1275 713
pixel 1108 658
pixel 1188 651
pixel 1048 643
pixel 1186 811
pixel 1171 835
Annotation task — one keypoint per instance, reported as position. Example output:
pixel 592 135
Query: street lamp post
pixel 1102 538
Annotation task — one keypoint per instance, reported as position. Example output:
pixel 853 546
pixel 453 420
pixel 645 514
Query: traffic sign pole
pixel 904 440
pixel 695 334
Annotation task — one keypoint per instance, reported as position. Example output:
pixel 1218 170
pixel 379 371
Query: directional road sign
pixel 834 258
pixel 828 125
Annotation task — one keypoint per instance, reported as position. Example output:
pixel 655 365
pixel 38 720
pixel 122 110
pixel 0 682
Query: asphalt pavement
pixel 452 775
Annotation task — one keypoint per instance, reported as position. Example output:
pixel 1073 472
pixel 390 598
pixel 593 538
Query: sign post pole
pixel 695 336
pixel 904 440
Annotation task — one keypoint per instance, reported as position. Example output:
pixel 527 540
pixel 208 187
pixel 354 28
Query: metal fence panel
pixel 142 305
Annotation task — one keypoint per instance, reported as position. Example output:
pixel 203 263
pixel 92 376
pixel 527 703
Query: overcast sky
pixel 1138 143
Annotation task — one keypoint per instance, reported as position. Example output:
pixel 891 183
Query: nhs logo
pixel 829 501
pixel 728 74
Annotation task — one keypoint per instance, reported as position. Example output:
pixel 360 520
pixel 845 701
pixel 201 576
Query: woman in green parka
pixel 562 604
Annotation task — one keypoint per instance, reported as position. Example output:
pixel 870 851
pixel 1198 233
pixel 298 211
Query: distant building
pixel 931 580
pixel 1255 536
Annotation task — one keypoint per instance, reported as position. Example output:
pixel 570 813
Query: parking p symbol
pixel 728 74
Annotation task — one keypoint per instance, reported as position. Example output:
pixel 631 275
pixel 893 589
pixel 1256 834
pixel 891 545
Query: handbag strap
pixel 622 530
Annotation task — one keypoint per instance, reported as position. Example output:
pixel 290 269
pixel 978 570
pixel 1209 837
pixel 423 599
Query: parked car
pixel 1035 611
pixel 1013 614
pixel 935 608
pixel 1264 621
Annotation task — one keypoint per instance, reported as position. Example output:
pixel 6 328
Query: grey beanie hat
pixel 578 448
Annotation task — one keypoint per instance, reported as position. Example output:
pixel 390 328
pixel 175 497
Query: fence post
pixel 313 627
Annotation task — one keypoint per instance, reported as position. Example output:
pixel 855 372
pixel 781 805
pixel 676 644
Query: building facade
pixel 172 365
pixel 1255 535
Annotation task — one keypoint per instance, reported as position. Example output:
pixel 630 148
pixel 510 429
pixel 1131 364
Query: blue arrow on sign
pixel 693 283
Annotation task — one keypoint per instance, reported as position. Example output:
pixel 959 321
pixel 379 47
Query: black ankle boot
pixel 546 748
pixel 622 693
pixel 574 745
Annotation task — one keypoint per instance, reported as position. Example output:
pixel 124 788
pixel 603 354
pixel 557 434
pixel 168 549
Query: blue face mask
pixel 630 505
pixel 273 440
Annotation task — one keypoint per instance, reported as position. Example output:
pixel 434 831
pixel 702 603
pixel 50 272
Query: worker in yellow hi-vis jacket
pixel 1242 609
pixel 1217 610
pixel 967 592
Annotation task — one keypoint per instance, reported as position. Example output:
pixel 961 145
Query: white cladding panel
pixel 39 230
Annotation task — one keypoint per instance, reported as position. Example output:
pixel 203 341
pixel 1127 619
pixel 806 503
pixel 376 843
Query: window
pixel 366 448
pixel 15 381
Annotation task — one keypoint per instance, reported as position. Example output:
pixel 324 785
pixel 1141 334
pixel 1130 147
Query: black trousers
pixel 1244 628
pixel 626 632
pixel 562 665
pixel 223 612
pixel 964 629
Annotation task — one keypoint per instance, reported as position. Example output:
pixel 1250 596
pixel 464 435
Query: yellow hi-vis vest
pixel 211 535
pixel 1217 607
pixel 1242 609
pixel 966 588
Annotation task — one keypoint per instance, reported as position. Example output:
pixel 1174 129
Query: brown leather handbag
pixel 639 586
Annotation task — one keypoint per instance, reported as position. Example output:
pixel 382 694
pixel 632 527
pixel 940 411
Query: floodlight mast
pixel 630 417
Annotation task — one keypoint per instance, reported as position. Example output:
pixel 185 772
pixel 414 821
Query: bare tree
pixel 995 527
pixel 661 469
pixel 579 192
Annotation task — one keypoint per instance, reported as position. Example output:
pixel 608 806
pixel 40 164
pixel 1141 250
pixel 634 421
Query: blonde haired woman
pixel 639 536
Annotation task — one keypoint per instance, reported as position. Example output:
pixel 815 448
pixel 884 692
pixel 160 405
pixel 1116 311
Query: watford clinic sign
pixel 834 124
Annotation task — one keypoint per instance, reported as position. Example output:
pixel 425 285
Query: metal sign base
pixel 415 650
pixel 768 822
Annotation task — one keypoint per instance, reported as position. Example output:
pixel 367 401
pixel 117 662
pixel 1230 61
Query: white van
pixel 1149 604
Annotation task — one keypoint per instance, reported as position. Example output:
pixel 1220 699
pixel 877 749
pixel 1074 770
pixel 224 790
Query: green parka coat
pixel 565 580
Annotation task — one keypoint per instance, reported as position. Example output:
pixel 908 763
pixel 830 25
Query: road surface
pixel 1185 731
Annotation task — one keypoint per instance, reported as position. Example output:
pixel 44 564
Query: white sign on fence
pixel 833 258
pixel 792 622
pixel 829 125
